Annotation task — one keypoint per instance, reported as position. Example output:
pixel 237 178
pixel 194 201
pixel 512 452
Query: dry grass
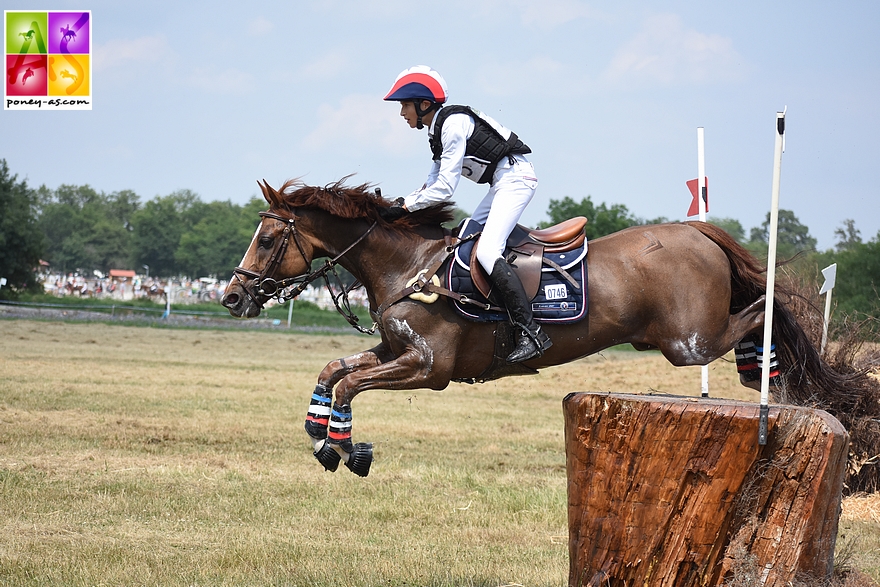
pixel 144 456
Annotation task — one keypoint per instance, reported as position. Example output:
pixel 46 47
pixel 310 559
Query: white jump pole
pixel 771 279
pixel 701 184
pixel 830 274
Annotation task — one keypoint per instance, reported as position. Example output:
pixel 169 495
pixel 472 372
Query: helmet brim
pixel 417 86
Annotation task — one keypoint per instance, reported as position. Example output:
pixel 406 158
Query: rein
pixel 288 289
pixel 284 290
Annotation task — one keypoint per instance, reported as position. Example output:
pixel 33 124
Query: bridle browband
pixel 284 290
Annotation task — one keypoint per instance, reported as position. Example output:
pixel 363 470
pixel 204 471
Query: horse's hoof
pixel 328 457
pixel 361 458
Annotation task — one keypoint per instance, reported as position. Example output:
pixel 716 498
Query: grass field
pixel 154 456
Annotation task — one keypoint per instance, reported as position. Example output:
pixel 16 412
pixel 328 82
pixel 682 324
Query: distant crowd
pixel 136 287
pixel 182 291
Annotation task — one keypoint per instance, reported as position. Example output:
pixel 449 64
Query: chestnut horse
pixel 687 289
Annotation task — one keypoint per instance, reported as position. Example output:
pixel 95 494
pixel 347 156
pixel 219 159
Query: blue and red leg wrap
pixel 340 427
pixel 750 359
pixel 318 418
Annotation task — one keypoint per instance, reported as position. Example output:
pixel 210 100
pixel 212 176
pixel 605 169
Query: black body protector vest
pixel 486 147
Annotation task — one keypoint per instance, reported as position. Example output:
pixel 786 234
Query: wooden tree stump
pixel 676 491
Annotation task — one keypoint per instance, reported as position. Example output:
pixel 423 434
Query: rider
pixel 466 142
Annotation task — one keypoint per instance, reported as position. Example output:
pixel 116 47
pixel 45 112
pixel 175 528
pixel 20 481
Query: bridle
pixel 268 287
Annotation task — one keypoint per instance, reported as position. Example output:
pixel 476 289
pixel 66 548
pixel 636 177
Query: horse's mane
pixel 360 201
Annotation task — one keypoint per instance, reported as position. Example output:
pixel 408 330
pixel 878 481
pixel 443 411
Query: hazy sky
pixel 214 96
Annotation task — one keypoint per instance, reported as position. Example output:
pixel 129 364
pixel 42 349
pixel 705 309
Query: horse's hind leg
pixel 748 320
pixel 749 363
pixel 710 338
pixel 743 330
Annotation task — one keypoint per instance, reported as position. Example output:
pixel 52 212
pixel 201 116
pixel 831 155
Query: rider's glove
pixel 392 213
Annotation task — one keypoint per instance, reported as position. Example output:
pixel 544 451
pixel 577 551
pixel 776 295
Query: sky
pixel 214 96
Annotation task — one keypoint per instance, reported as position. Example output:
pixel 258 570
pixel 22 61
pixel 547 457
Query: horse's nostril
pixel 230 300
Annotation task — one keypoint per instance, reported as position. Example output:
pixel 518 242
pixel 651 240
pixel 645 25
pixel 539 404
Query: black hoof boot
pixel 361 458
pixel 328 457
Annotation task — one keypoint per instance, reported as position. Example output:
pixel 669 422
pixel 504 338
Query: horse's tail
pixel 807 377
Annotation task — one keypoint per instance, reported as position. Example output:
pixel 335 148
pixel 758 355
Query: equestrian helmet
pixel 418 83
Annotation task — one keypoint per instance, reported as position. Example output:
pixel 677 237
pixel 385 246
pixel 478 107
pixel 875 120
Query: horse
pixel 688 289
pixel 68 34
pixel 156 292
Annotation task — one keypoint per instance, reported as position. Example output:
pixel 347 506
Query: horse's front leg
pixel 414 368
pixel 320 414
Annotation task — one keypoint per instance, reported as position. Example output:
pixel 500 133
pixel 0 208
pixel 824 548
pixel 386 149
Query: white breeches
pixel 501 208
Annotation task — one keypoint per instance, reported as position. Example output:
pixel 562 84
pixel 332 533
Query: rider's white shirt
pixel 445 174
pixel 515 181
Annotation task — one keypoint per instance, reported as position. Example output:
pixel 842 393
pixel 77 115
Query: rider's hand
pixel 392 213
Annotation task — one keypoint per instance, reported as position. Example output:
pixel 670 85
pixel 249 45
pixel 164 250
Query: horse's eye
pixel 266 242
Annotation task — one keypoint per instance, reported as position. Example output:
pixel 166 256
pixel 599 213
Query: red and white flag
pixel 694 187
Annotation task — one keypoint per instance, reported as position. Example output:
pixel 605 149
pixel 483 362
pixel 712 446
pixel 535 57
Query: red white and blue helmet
pixel 418 83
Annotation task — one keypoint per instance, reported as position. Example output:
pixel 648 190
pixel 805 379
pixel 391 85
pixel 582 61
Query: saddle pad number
pixel 557 291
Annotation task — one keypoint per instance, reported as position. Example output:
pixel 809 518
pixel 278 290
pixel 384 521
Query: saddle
pixel 525 252
pixel 550 262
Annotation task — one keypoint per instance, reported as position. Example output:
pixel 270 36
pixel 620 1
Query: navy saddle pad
pixel 557 300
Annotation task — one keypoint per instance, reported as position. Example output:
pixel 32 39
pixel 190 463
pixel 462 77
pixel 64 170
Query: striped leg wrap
pixel 747 361
pixel 750 359
pixel 318 417
pixel 775 380
pixel 340 427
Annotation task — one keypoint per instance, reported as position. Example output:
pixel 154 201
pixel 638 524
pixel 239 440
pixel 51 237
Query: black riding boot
pixel 531 341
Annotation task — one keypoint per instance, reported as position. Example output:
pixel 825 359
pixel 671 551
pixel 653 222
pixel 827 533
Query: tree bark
pixel 676 491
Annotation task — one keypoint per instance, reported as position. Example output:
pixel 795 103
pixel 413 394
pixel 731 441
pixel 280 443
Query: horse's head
pixel 305 222
pixel 277 254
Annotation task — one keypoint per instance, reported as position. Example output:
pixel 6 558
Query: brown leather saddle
pixel 525 252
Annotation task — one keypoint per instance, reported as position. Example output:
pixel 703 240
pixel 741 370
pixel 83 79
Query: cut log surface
pixel 676 491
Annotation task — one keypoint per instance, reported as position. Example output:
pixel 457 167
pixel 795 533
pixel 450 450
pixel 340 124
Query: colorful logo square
pixel 69 32
pixel 68 75
pixel 48 60
pixel 26 75
pixel 26 32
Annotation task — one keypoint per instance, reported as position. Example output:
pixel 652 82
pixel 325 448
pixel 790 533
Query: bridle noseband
pixel 268 287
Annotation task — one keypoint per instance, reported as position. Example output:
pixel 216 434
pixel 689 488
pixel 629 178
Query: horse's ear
pixel 271 196
pixel 263 185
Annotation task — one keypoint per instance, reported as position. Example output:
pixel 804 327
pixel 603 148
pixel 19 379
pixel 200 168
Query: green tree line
pixel 76 228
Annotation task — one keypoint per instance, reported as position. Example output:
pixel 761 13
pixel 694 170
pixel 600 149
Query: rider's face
pixel 408 112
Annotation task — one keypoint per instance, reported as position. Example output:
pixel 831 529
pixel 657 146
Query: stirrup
pixel 529 345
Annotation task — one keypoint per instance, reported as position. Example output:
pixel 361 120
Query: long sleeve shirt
pixel 445 174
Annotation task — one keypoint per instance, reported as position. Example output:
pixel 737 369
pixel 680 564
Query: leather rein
pixel 290 288
pixel 287 289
